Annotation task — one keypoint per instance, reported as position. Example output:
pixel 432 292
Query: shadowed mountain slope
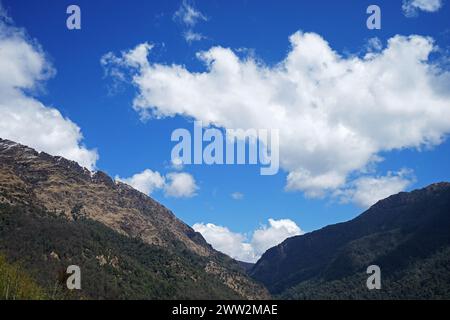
pixel 407 235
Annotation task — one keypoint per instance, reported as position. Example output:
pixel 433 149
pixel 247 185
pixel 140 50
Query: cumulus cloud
pixel 365 191
pixel 277 231
pixel 226 241
pixel 180 185
pixel 412 7
pixel 146 182
pixel 237 245
pixel 334 113
pixel 174 184
pixel 24 119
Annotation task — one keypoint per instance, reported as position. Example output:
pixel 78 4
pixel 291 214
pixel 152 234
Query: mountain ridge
pixel 397 232
pixel 57 186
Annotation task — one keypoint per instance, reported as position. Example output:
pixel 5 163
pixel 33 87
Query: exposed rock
pixel 54 255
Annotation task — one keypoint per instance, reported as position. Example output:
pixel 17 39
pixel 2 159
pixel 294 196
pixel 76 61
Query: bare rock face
pixel 58 185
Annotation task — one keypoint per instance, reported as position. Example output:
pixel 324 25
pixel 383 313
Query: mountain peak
pixel 406 231
pixel 58 185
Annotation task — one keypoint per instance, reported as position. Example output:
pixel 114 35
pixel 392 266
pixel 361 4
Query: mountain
pixel 54 213
pixel 407 235
pixel 246 266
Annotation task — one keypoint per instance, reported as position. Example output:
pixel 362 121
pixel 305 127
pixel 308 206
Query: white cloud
pixel 146 182
pixel 226 241
pixel 365 191
pixel 238 247
pixel 278 231
pixel 374 44
pixel 24 119
pixel 188 14
pixel 237 196
pixel 335 113
pixel 191 36
pixel 411 7
pixel 177 164
pixel 174 184
pixel 180 185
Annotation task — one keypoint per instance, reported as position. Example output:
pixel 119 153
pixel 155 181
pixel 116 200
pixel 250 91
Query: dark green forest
pixel 407 235
pixel 113 266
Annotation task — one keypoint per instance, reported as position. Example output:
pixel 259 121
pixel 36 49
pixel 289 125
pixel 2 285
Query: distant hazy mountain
pixel 407 235
pixel 53 214
pixel 246 266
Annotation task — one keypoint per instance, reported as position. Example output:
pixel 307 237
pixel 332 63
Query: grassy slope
pixel 16 284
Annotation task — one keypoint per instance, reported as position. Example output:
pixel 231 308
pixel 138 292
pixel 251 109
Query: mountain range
pixel 54 213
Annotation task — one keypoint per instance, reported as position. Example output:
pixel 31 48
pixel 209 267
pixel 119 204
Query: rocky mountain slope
pixel 407 235
pixel 55 195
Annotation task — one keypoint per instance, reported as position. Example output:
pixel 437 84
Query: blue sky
pixel 102 107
